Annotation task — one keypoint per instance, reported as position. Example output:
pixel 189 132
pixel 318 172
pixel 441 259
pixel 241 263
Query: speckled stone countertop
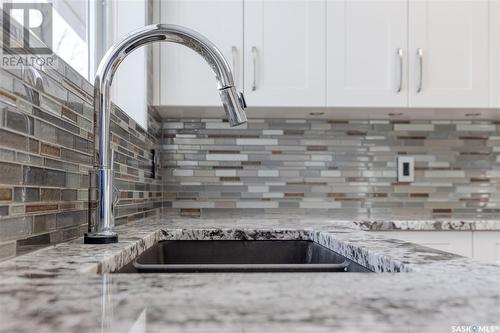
pixel 68 288
pixel 428 225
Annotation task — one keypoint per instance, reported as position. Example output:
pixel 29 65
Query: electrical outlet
pixel 406 169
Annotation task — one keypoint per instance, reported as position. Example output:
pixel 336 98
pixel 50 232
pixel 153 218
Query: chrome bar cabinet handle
pixel 399 52
pixel 420 54
pixel 254 57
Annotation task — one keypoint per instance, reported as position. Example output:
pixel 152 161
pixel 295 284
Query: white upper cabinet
pixel 449 53
pixel 337 53
pixel 285 52
pixel 185 77
pixel 367 53
pixel 418 53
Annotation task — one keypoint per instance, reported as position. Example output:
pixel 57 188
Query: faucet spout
pixel 102 231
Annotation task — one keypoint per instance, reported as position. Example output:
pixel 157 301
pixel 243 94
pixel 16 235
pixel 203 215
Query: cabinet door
pixel 185 78
pixel 487 246
pixel 367 53
pixel 452 68
pixel 285 52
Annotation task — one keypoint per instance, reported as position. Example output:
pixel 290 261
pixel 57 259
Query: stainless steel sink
pixel 240 256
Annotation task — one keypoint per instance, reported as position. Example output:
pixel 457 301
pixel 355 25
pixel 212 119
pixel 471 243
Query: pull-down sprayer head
pixel 234 105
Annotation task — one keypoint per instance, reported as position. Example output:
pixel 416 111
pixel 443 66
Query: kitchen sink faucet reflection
pixel 101 231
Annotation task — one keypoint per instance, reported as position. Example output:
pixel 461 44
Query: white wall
pixel 129 89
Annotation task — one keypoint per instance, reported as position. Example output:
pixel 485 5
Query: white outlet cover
pixel 402 160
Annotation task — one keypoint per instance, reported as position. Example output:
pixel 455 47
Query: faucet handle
pixel 115 195
pixel 241 97
pixel 116 198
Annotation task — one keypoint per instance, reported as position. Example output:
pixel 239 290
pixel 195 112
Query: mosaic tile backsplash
pixel 332 167
pixel 47 151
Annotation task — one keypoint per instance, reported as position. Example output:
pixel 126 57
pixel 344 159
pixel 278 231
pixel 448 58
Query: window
pixel 70 32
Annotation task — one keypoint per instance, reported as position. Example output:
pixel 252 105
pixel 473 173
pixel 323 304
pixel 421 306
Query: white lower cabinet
pixel 480 245
pixel 486 246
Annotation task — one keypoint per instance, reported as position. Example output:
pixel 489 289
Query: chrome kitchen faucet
pixel 102 230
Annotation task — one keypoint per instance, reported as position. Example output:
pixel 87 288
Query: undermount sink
pixel 200 256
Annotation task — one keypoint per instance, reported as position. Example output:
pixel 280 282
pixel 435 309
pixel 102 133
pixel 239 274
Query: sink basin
pixel 184 256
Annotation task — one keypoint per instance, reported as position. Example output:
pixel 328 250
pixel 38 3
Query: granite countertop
pixel 388 224
pixel 68 288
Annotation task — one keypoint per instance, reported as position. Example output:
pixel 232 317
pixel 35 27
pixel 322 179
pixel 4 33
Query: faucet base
pixel 96 238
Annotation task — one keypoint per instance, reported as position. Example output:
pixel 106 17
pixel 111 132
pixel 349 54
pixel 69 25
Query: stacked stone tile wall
pixel 332 167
